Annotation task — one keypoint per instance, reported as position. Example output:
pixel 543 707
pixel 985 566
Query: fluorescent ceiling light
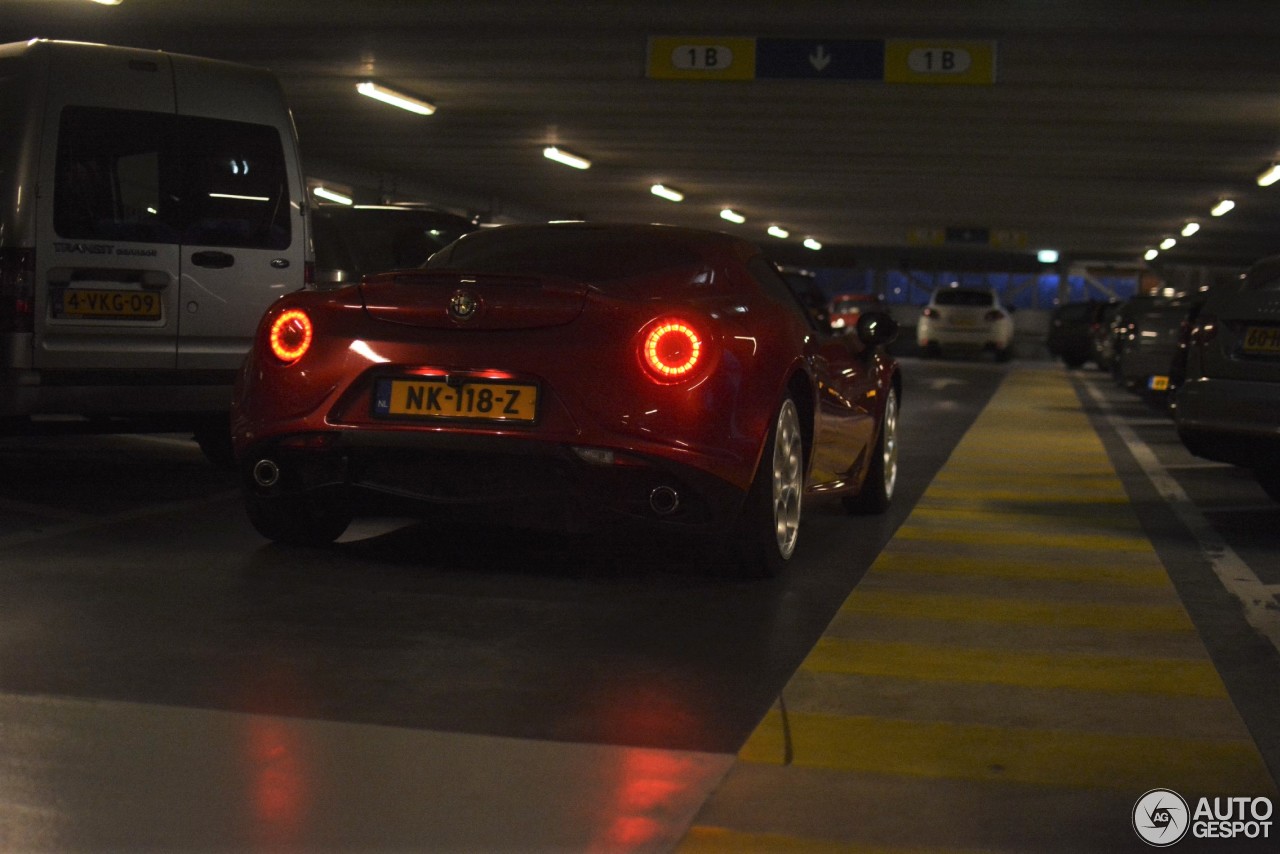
pixel 1270 175
pixel 1151 255
pixel 1190 229
pixel 1222 207
pixel 238 197
pixel 732 216
pixel 559 155
pixel 810 243
pixel 667 193
pixel 1047 256
pixel 107 2
pixel 775 231
pixel 330 195
pixel 395 99
pixel 1168 243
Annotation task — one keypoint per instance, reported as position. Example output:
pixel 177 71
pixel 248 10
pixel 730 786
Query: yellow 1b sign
pixel 679 58
pixel 939 62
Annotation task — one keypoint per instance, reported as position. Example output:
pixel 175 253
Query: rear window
pixel 585 255
pixel 959 296
pixel 370 240
pixel 160 178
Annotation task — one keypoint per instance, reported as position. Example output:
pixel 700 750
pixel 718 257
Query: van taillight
pixel 17 289
pixel 309 274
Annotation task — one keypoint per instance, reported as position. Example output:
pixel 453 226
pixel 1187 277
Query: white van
pixel 152 205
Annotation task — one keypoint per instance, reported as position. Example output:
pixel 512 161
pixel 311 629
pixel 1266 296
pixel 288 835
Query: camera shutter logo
pixel 1161 817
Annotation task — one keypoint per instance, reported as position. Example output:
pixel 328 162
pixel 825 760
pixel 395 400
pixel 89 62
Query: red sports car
pixel 568 376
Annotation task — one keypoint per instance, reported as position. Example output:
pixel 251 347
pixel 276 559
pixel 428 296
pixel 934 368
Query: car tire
pixel 299 520
pixel 882 476
pixel 1269 480
pixel 765 535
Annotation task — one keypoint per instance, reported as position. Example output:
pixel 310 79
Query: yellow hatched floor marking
pixel 999 609
pixel 1115 673
pixel 1022 573
pixel 720 840
pixel 1005 754
pixel 1096 570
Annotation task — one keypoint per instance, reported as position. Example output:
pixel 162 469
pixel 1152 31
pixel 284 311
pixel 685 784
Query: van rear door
pixel 244 237
pixel 107 263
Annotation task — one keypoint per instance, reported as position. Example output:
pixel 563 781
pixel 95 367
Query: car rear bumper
pixel 1235 421
pixel 533 484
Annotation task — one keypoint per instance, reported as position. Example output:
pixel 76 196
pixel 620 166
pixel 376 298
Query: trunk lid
pixel 452 300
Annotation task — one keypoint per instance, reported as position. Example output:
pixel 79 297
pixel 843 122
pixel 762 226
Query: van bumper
pixel 29 393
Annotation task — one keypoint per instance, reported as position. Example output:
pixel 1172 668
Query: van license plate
pixel 93 304
pixel 437 400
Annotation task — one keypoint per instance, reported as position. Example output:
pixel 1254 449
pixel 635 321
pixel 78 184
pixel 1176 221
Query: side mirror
pixel 877 329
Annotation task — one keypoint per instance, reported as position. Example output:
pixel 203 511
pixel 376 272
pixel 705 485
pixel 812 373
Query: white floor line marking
pixel 87 522
pixel 1236 576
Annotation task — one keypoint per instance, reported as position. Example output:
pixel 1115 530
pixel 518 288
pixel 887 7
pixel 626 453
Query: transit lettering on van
pixel 170 188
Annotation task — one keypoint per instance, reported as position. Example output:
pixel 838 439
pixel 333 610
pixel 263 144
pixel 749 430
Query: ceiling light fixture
pixel 1047 256
pixel 1151 255
pixel 395 99
pixel 780 233
pixel 810 243
pixel 108 2
pixel 559 155
pixel 331 196
pixel 667 193
pixel 732 216
pixel 1190 229
pixel 1168 243
pixel 1223 206
pixel 1270 175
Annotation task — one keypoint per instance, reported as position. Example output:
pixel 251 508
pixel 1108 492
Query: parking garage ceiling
pixel 1101 128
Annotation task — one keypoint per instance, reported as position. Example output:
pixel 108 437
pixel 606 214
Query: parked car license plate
pixel 470 401
pixel 1262 339
pixel 94 304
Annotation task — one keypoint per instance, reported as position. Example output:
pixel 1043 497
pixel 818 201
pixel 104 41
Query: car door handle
pixel 214 259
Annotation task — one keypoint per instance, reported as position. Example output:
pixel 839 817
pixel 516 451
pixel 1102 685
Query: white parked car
pixel 969 319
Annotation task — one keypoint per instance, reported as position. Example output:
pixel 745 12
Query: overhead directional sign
pixel 877 60
pixel 820 59
pixel 940 61
pixel 679 58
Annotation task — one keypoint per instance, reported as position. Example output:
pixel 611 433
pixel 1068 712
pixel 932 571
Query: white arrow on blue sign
pixel 830 59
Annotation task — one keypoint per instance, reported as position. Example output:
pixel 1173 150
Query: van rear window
pixel 130 175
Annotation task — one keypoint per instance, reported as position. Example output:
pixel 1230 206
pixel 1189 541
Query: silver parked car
pixel 1228 407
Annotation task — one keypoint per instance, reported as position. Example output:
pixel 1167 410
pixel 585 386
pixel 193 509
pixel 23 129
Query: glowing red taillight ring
pixel 291 335
pixel 671 350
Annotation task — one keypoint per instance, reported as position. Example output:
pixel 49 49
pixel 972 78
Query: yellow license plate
pixel 93 304
pixel 485 401
pixel 1158 383
pixel 1262 339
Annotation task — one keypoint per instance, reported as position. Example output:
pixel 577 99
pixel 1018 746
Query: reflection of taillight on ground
pixel 671 350
pixel 290 335
pixel 17 290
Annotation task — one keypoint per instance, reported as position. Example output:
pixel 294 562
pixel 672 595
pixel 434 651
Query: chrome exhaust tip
pixel 664 500
pixel 266 473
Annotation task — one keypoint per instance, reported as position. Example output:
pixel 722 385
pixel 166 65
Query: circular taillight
pixel 291 335
pixel 671 350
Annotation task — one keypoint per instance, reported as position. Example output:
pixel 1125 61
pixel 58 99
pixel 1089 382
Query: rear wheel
pixel 299 520
pixel 765 537
pixel 882 477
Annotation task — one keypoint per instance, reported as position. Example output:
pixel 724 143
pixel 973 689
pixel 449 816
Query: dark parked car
pixel 1152 352
pixel 1073 329
pixel 569 376
pixel 1228 408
